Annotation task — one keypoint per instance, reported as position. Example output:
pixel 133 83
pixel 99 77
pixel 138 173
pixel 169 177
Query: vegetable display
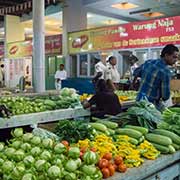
pixel 171 120
pixel 42 159
pixel 143 113
pixel 72 131
pixel 24 105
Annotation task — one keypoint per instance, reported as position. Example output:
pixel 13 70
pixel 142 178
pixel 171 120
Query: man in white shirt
pixel 101 67
pixel 60 75
pixel 112 72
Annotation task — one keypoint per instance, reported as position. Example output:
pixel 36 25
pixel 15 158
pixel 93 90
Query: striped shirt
pixel 155 80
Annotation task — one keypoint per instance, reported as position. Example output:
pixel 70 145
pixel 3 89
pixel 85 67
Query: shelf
pixel 42 117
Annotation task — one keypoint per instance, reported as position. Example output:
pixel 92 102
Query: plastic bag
pixel 45 134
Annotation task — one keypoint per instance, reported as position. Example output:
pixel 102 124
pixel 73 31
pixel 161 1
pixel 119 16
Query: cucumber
pixel 158 139
pixel 143 130
pixel 49 103
pixel 129 132
pixel 133 141
pixel 111 131
pixel 176 146
pixel 171 149
pixel 108 124
pixel 174 137
pixel 141 139
pixel 99 126
pixel 161 148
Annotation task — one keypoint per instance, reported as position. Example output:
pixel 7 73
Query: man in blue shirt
pixel 155 76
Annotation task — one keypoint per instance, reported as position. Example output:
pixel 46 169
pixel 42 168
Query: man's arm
pixel 165 86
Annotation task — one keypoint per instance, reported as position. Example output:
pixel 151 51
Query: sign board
pixel 53 45
pixel 150 33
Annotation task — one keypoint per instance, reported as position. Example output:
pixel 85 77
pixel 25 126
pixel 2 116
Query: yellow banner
pixel 19 49
pixel 80 42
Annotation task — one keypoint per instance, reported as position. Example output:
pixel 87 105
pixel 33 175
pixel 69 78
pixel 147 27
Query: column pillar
pixel 74 19
pixel 38 46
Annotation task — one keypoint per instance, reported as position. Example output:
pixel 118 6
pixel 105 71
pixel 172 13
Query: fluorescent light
pixel 153 14
pixel 110 22
pixel 124 5
pixel 89 15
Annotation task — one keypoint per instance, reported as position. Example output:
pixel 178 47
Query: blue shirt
pixel 155 80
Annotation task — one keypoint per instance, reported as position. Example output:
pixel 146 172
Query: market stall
pixel 118 147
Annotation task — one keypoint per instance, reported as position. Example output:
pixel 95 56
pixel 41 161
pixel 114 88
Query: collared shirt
pixel 112 73
pixel 61 75
pixel 155 80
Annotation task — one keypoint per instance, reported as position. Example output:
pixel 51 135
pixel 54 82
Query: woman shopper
pixel 104 100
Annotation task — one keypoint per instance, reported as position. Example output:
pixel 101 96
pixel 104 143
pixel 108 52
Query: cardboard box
pixel 175 84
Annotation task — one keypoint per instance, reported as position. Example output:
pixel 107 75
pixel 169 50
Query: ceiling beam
pixel 108 14
pixel 8 3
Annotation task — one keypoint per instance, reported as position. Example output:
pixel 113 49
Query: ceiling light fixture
pixel 140 11
pixel 124 5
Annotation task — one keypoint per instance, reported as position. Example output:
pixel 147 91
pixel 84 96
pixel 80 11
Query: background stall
pixel 143 39
pixel 19 61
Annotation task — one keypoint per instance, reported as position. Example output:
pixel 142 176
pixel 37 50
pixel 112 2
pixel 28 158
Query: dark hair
pixel 133 58
pixel 101 85
pixel 111 58
pixel 61 65
pixel 169 49
pixel 2 65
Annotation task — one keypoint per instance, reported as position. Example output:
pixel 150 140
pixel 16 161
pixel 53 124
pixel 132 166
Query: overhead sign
pixel 151 33
pixel 53 45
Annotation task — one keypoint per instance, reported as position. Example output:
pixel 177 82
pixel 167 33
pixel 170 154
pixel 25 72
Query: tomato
pixel 118 160
pixel 122 168
pixel 111 169
pixel 83 149
pixel 105 172
pixel 66 143
pixel 93 149
pixel 103 163
pixel 108 156
pixel 81 154
pixel 115 167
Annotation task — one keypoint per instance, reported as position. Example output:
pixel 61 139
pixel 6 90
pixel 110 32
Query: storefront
pixel 143 39
pixel 19 61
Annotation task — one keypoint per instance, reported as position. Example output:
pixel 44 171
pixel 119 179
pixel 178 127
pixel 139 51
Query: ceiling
pixel 104 7
pixel 100 13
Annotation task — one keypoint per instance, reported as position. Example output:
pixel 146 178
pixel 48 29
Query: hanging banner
pixel 80 42
pixel 151 33
pixel 19 49
pixel 53 45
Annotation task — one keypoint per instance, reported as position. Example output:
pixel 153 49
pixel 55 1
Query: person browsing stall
pixel 60 75
pixel 105 101
pixel 155 76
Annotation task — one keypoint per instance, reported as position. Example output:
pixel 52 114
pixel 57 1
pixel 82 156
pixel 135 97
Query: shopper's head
pixel 2 65
pixel 132 59
pixel 112 60
pixel 61 67
pixel 110 85
pixel 101 85
pixel 170 54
